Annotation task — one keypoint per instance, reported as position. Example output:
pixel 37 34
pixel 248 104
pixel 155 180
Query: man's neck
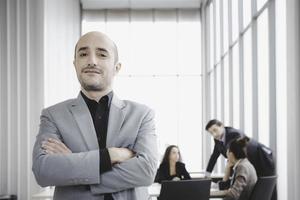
pixel 96 95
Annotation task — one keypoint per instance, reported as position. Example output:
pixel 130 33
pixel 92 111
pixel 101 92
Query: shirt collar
pixel 91 101
pixel 236 164
pixel 223 138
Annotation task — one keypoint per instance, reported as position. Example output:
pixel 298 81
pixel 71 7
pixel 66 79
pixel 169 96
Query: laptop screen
pixel 185 190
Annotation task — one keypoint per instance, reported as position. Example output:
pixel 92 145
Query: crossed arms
pixel 55 164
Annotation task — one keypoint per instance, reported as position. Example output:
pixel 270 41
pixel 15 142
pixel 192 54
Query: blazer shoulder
pixel 232 132
pixel 245 168
pixel 136 107
pixel 180 164
pixel 60 106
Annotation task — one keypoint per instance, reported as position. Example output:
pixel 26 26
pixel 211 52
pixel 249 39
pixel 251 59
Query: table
pixel 154 191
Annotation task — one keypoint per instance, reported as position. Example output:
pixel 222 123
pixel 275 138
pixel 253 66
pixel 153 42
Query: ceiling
pixel 139 4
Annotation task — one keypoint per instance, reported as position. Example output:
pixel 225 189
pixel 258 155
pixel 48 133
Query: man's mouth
pixel 91 71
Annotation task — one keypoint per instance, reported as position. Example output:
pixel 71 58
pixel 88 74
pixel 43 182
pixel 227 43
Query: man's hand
pixel 207 175
pixel 53 146
pixel 228 168
pixel 118 155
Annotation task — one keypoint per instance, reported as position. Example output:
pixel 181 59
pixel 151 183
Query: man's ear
pixel 118 67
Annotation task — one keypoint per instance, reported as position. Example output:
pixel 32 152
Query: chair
pixel 263 188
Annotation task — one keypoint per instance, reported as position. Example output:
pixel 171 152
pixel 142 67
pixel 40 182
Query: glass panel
pixel 147 90
pixel 218 31
pixel 246 12
pixel 165 52
pixel 236 86
pixel 263 78
pixel 248 82
pixel 211 35
pixel 218 93
pixel 225 26
pixel 189 43
pixel 189 120
pixel 212 95
pixel 226 92
pixel 235 19
pixel 260 4
pixel 140 48
pixel 93 21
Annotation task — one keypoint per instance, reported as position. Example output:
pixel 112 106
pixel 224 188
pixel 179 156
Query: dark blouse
pixel 163 172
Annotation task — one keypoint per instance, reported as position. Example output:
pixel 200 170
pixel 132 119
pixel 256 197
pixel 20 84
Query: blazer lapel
pixel 84 121
pixel 115 120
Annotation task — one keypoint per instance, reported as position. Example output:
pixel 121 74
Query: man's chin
pixel 92 87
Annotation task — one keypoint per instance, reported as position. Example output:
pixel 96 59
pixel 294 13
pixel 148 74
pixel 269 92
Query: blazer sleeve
pixel 237 188
pixel 137 171
pixel 160 175
pixel 213 159
pixel 184 173
pixel 58 169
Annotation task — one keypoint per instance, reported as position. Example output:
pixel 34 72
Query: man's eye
pixel 102 55
pixel 82 54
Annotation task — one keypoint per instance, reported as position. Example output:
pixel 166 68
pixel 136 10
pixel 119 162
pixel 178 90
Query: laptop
pixel 198 189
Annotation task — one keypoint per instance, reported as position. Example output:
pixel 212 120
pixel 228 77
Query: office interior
pixel 190 60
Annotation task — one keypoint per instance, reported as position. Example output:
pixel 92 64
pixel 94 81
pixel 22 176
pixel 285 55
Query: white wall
pixel 29 31
pixel 293 98
pixel 288 98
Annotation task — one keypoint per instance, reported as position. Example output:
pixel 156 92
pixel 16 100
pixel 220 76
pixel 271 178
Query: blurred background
pixel 189 60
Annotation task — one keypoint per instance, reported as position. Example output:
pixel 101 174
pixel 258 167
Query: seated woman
pixel 244 174
pixel 171 167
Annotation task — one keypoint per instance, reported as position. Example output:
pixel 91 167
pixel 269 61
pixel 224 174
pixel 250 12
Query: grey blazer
pixel 244 181
pixel 77 175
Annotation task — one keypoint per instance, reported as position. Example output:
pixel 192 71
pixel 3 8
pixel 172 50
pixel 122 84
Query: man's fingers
pixel 50 149
pixel 59 143
pixel 55 146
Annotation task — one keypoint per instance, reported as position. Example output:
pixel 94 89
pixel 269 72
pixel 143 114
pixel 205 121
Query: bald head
pixel 96 35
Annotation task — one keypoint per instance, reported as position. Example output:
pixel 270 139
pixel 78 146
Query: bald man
pixel 96 146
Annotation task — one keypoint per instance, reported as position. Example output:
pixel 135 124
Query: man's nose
pixel 92 60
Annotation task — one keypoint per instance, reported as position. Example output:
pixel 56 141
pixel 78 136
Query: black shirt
pixel 100 114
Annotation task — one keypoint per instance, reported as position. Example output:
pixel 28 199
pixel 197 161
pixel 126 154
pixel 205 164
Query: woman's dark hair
pixel 213 122
pixel 238 147
pixel 167 154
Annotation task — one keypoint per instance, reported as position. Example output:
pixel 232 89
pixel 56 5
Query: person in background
pixel 172 167
pixel 244 174
pixel 260 156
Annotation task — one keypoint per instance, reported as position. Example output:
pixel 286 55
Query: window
pixel 218 31
pixel 218 92
pixel 211 36
pixel 236 86
pixel 225 26
pixel 263 78
pixel 235 19
pixel 212 96
pixel 248 82
pixel 260 3
pixel 244 64
pixel 247 12
pixel 226 92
